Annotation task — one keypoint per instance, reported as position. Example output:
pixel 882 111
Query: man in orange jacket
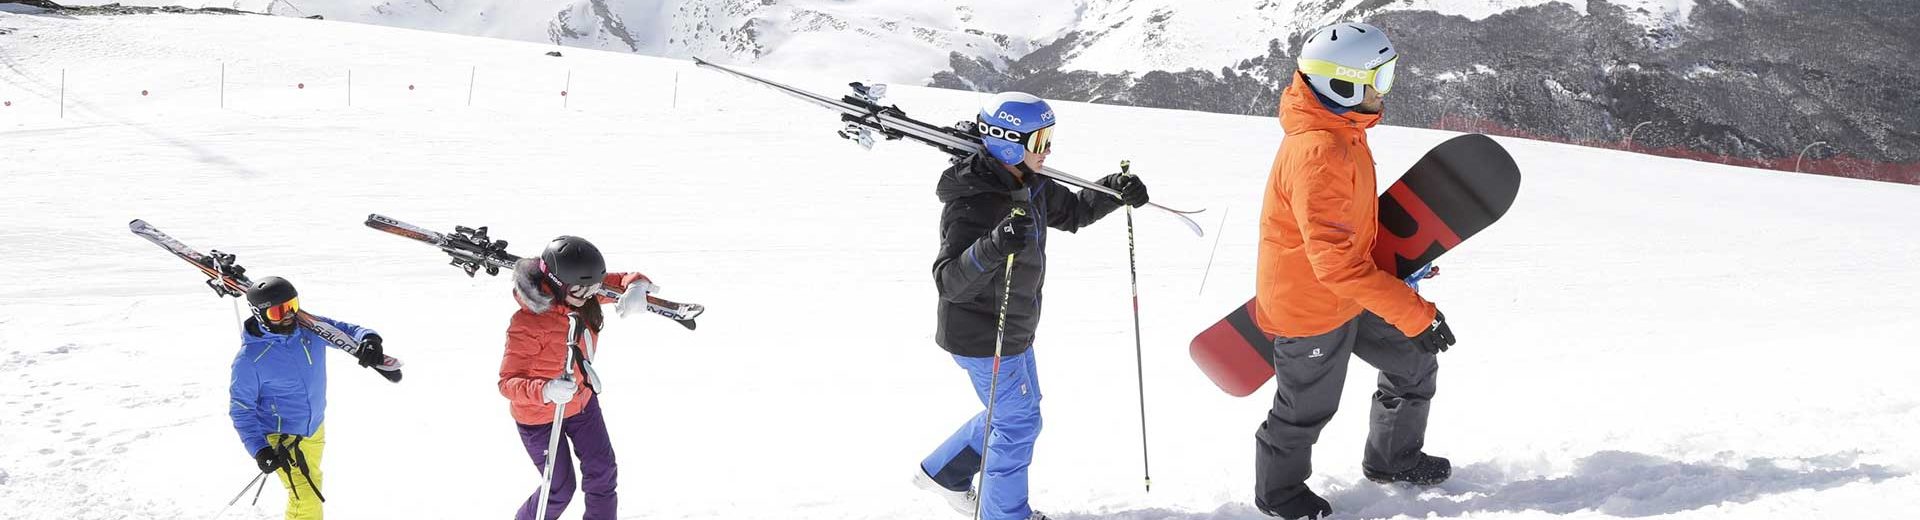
pixel 1319 290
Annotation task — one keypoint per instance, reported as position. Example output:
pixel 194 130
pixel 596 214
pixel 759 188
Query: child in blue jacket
pixel 279 391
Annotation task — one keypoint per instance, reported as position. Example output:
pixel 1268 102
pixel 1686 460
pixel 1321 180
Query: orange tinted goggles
pixel 282 311
pixel 1040 141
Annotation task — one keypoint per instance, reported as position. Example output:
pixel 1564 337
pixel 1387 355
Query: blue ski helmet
pixel 1014 123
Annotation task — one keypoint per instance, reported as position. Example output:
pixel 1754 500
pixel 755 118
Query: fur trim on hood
pixel 530 288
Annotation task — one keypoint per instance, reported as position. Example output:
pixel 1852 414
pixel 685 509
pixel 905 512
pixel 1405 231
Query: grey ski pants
pixel 1310 372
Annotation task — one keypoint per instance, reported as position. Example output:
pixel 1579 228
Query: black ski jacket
pixel 971 272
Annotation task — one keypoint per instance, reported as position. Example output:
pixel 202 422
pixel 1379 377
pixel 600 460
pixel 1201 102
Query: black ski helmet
pixel 572 261
pixel 270 291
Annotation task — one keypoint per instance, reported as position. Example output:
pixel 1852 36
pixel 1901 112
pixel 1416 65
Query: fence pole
pixel 223 85
pixel 470 74
pixel 676 90
pixel 63 93
pixel 566 91
pixel 349 87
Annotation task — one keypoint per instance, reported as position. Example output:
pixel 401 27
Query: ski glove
pixel 371 354
pixel 1011 235
pixel 559 391
pixel 270 458
pixel 635 298
pixel 1132 191
pixel 1437 337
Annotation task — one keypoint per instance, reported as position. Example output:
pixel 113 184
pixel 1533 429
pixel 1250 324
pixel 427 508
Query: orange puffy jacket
pixel 537 350
pixel 1318 226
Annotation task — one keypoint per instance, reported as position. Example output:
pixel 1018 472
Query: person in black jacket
pixel 979 229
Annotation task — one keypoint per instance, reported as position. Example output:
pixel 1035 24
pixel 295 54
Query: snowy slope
pixel 1641 337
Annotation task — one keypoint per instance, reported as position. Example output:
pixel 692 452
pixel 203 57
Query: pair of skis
pixel 473 251
pixel 864 116
pixel 228 278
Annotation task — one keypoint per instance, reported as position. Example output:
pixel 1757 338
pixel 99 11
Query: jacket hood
pixel 528 287
pixel 974 175
pixel 1302 111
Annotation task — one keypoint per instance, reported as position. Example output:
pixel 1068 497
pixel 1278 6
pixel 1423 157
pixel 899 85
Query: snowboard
pixel 1456 190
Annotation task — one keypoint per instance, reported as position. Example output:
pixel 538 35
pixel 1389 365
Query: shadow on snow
pixel 1611 482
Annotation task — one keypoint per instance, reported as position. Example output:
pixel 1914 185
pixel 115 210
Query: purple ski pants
pixel 586 432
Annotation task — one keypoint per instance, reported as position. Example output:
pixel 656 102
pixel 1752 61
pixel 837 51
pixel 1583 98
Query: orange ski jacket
pixel 1318 225
pixel 537 350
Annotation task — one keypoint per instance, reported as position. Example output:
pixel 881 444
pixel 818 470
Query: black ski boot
pixel 1303 506
pixel 1428 471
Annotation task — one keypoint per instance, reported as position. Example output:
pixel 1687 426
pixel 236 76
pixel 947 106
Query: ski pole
pixel 559 414
pixel 1020 198
pixel 243 492
pixel 1218 232
pixel 1139 373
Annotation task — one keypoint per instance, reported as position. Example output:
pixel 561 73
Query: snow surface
pixel 1641 336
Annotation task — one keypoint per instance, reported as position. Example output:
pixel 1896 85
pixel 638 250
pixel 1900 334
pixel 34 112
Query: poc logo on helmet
pixel 1001 133
pixel 1010 118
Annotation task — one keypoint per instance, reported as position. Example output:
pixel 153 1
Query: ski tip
pixel 698 61
pixel 391 375
pixel 688 323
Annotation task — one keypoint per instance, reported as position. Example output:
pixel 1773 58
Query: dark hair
pixel 591 312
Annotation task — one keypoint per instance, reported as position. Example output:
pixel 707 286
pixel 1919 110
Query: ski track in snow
pixel 1641 337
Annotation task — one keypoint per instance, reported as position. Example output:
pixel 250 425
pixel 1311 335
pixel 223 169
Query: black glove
pixel 1010 236
pixel 1132 191
pixel 371 353
pixel 270 459
pixel 1437 337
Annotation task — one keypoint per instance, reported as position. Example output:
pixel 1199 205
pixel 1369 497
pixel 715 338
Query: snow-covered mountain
pixel 887 40
pixel 894 40
pixel 1752 82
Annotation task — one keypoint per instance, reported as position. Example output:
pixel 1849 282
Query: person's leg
pixel 1309 373
pixel 535 438
pixel 1016 425
pixel 303 497
pixel 1400 402
pixel 598 473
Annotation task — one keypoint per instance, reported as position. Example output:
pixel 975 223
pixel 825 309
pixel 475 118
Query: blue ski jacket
pixel 280 381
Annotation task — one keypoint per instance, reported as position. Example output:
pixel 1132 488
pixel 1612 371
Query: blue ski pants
pixel 1016 424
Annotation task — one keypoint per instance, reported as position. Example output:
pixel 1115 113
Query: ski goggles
pixel 582 292
pixel 1381 77
pixel 1039 141
pixel 281 312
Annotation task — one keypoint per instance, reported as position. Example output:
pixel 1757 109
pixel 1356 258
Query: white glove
pixel 559 391
pixel 635 299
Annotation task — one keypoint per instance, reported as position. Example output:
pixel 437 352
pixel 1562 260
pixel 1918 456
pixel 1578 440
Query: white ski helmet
pixel 1339 58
